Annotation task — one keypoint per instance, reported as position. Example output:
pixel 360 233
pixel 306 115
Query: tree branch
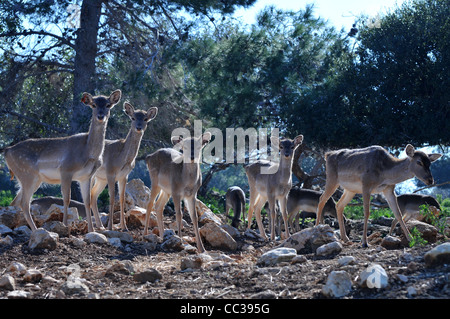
pixel 32 32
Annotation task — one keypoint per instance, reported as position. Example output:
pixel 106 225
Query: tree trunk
pixel 85 54
pixel 84 71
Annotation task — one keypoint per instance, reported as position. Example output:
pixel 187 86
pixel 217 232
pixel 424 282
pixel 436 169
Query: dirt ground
pixel 239 279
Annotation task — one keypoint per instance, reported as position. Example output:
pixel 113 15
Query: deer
pixel 176 174
pixel 372 170
pixel 235 199
pixel 118 161
pixel 303 203
pixel 62 160
pixel 409 205
pixel 271 187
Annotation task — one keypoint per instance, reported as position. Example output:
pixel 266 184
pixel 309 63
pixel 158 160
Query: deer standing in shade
pixel 118 161
pixel 177 175
pixel 62 160
pixel 272 187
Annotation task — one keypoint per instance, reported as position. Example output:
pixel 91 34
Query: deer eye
pixel 419 163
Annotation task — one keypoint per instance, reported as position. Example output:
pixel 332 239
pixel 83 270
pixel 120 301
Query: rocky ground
pixel 134 267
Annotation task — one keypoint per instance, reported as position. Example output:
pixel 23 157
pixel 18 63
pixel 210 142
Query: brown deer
pixel 303 203
pixel 118 161
pixel 372 170
pixel 62 160
pixel 272 187
pixel 178 175
pixel 409 205
pixel 235 199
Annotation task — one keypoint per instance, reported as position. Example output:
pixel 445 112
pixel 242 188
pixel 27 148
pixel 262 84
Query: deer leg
pixel 251 208
pixel 366 205
pixel 66 180
pixel 25 200
pixel 178 213
pixel 391 198
pixel 155 190
pixel 122 185
pixel 283 208
pixel 190 203
pixel 273 218
pixel 343 201
pixel 159 209
pixel 85 187
pixel 97 188
pixel 330 188
pixel 112 196
pixel 258 206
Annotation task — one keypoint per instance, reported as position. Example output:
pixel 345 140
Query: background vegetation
pixel 383 82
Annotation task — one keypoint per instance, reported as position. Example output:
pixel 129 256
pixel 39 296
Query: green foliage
pixel 440 221
pixel 357 211
pixel 6 197
pixel 416 238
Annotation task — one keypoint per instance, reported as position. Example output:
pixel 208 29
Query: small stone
pixel 299 259
pixel 116 242
pixel 43 239
pixel 277 255
pixel 7 282
pixel 149 274
pixel 438 255
pixel 96 238
pixel 339 284
pixel 390 242
pixel 329 249
pixel 411 291
pixel 217 237
pixel 18 294
pixel 124 267
pixel 6 241
pixel 192 262
pixel 17 267
pixel 32 275
pixel 374 277
pixel 5 230
pixel 74 286
pixel 57 227
pixel 23 230
pixel 346 260
pixel 123 236
pixel 402 278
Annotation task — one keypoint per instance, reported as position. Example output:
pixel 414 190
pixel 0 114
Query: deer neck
pixel 399 172
pixel 96 138
pixel 285 168
pixel 131 146
pixel 191 170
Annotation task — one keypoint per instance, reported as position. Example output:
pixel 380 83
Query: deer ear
pixel 115 97
pixel 434 157
pixel 206 137
pixel 151 113
pixel 275 141
pixel 298 140
pixel 409 150
pixel 176 139
pixel 87 99
pixel 128 109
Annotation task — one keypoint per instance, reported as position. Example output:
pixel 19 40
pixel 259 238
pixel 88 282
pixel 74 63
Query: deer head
pixel 420 163
pixel 191 147
pixel 139 119
pixel 287 146
pixel 101 105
